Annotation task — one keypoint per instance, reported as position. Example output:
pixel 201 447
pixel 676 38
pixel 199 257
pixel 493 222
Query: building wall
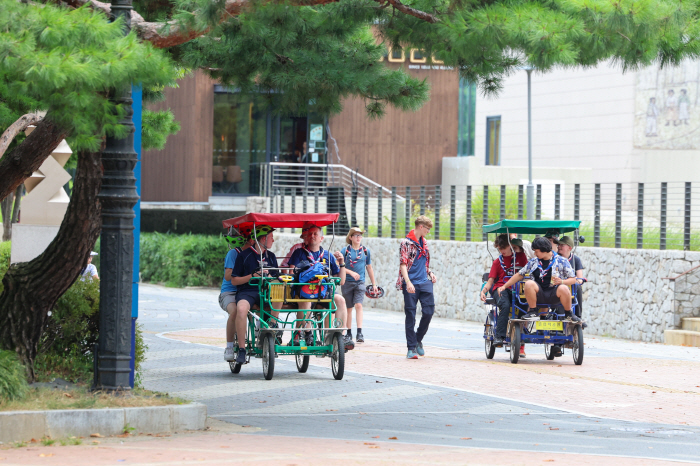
pixel 403 148
pixel 580 119
pixel 181 172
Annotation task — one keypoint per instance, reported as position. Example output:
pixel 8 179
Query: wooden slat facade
pixel 181 172
pixel 403 148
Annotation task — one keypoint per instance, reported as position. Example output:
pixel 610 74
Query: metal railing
pixel 620 215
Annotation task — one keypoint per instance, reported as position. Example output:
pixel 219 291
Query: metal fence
pixel 620 215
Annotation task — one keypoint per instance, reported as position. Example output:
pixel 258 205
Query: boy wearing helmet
pixel 227 297
pixel 248 265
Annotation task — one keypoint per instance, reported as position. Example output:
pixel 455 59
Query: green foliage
pixel 304 57
pixel 68 62
pixel 5 247
pixel 182 260
pixel 140 354
pixel 157 126
pixel 13 377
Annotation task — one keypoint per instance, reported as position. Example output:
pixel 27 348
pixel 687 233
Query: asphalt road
pixel 368 407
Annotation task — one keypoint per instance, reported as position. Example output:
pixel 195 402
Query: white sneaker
pixel 229 355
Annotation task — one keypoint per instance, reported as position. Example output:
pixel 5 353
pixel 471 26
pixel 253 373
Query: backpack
pixel 306 273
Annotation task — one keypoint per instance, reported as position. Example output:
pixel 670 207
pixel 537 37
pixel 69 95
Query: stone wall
pixel 686 296
pixel 628 294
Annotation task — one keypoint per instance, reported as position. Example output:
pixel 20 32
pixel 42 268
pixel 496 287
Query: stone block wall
pixel 628 294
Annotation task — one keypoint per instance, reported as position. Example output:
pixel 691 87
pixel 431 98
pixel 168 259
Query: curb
pixel 21 426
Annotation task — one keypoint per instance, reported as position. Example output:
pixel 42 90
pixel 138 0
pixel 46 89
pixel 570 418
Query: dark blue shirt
pixel 248 262
pixel 417 273
pixel 302 254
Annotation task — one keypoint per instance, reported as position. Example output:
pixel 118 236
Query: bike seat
pixel 490 300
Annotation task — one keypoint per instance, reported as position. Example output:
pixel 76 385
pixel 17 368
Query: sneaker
pixel 349 344
pixel 309 337
pixel 522 351
pixel 584 325
pixel 419 349
pixel 240 359
pixel 532 315
pixel 360 338
pixel 229 354
pixel 556 351
pixel 411 354
pixel 278 335
pixel 498 342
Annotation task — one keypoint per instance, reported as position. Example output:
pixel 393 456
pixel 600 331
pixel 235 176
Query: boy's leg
pixel 564 295
pixel 243 306
pixel 427 304
pixel 531 289
pixel 409 308
pixel 231 322
pixel 504 302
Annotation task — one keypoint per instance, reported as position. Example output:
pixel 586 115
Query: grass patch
pixel 39 399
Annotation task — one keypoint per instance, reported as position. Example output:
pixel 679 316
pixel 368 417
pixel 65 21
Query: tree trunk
pixel 19 164
pixel 10 212
pixel 32 288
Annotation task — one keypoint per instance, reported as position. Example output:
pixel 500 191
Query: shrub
pixel 13 377
pixel 4 259
pixel 182 260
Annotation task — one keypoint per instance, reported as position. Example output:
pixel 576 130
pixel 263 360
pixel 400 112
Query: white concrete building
pixel 639 126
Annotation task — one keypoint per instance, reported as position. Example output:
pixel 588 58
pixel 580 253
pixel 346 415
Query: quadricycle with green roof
pixel 276 287
pixel 552 329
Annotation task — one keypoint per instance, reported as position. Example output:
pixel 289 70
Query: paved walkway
pixel 630 403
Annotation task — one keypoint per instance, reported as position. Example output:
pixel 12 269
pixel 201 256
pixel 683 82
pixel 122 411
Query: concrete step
pixel 691 323
pixel 682 338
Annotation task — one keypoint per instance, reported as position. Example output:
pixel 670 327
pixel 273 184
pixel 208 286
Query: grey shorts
pixel 353 292
pixel 227 298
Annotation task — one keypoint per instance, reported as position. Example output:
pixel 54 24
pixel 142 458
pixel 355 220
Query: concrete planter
pixel 20 426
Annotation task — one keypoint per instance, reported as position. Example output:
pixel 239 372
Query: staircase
pixel 688 335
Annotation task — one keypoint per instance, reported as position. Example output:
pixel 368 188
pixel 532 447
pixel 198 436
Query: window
pixel 493 140
pixel 467 110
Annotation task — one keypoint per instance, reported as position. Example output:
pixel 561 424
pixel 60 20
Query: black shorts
pixel 252 296
pixel 548 295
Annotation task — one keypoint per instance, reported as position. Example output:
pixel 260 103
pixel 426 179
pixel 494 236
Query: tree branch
pixel 172 33
pixel 27 157
pixel 407 10
pixel 17 127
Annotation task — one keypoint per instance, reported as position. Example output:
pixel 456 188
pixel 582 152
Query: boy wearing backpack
pixel 313 252
pixel 357 259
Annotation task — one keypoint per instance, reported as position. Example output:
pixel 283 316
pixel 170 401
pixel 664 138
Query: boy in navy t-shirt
pixel 248 265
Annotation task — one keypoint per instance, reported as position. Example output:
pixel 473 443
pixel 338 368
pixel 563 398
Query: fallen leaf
pixel 335 420
pixel 362 412
pixel 376 436
pixel 246 426
pixel 375 447
pixel 68 395
pixel 32 440
pixel 377 381
pixel 653 392
pixel 393 438
pixel 545 423
pixel 345 396
pixel 44 455
pixel 465 438
pixel 448 425
pixel 554 428
pixel 331 410
pixel 262 401
pixel 646 371
pixel 370 443
pixel 96 435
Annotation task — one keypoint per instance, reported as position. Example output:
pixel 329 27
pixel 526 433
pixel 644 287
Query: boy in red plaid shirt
pixel 416 281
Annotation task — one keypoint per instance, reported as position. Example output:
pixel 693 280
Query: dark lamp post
pixel 118 196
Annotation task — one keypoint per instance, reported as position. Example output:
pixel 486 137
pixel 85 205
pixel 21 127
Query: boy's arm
pixel 513 280
pixel 370 272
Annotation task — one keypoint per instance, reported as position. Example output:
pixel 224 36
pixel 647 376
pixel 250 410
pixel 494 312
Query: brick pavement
pixel 223 448
pixel 642 389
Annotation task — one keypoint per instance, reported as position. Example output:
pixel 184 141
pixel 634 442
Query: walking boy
pixel 416 281
pixel 357 258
